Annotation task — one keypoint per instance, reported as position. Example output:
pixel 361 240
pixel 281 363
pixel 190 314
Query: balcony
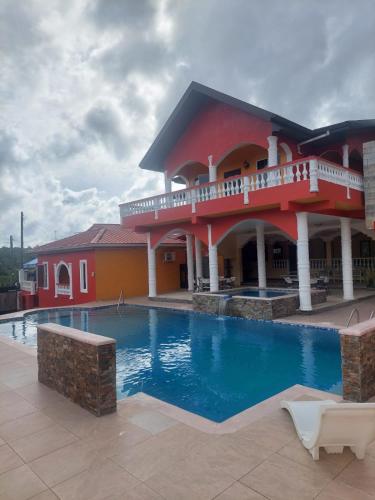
pixel 306 180
pixel 29 286
pixel 62 289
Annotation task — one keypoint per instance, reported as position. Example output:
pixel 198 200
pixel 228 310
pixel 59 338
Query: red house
pixel 267 195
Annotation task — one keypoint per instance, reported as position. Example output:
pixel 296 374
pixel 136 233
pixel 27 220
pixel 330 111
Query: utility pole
pixel 11 246
pixel 21 240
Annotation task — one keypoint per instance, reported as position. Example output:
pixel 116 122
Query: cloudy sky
pixel 85 86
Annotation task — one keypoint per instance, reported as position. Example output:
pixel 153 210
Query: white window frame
pixel 46 277
pixel 83 265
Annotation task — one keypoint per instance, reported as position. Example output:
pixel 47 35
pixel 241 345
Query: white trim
pixel 82 263
pixel 45 272
pixel 63 290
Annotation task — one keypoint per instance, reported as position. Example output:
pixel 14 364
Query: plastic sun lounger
pixel 333 425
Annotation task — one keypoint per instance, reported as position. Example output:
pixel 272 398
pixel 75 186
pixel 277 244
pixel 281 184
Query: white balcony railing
pixel 309 169
pixel 28 286
pixel 63 289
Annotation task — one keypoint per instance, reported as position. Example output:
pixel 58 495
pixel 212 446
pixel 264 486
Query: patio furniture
pixel 203 285
pixel 333 425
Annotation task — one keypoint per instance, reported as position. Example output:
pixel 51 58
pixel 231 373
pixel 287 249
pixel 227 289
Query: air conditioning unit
pixel 169 256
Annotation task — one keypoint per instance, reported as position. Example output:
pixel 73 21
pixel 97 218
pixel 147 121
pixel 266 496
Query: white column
pixel 167 183
pixel 190 262
pixel 303 262
pixel 345 155
pixel 212 174
pixel 261 256
pixel 198 258
pixel 272 150
pixel 151 259
pixel 56 277
pixel 346 256
pixel 212 257
pixel 70 280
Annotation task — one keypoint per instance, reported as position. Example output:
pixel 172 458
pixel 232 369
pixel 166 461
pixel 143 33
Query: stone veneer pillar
pixel 261 256
pixel 369 182
pixel 303 262
pixel 151 261
pixel 198 258
pixel 358 361
pixel 79 365
pixel 346 256
pixel 212 257
pixel 190 262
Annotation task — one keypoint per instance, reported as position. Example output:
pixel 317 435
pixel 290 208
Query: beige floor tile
pixel 13 411
pixel 109 443
pixel 64 463
pixel 188 480
pixel 39 395
pixel 140 492
pixel 20 484
pixel 360 474
pixel 104 480
pixel 24 426
pixel 9 398
pixel 266 433
pixel 40 443
pixel 239 491
pixel 340 491
pixel 152 421
pixel 46 495
pixel 330 464
pixel 8 459
pixel 158 452
pixel 226 454
pixel 279 478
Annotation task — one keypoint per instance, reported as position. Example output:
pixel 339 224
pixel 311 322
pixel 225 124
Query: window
pixel 232 173
pixel 262 163
pixel 83 275
pixel 43 281
pixel 201 179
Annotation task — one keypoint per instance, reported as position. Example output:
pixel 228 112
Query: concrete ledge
pixel 358 361
pixel 79 365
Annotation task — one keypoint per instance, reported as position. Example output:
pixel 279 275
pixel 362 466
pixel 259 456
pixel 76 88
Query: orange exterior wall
pixel 126 269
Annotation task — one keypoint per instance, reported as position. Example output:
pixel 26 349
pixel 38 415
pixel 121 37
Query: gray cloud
pixel 115 13
pixel 85 85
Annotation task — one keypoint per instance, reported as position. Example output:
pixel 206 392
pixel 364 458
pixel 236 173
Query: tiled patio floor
pixel 50 448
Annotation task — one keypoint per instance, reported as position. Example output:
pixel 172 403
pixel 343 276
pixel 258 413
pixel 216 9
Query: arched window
pixel 63 275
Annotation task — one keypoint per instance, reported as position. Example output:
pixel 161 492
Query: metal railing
pixel 354 311
pixel 309 169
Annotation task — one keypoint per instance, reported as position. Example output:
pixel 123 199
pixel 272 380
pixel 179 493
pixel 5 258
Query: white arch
pixel 57 272
pixel 174 172
pixel 287 151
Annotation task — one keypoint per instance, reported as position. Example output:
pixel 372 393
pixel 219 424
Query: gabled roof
pixel 197 96
pixel 100 236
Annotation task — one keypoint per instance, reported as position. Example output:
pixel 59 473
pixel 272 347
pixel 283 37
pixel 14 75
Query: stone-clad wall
pixel 358 361
pixel 253 307
pixel 79 365
pixel 369 182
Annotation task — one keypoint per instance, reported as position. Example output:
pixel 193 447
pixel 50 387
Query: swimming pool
pixel 210 365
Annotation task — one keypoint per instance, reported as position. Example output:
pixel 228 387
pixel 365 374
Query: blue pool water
pixel 212 366
pixel 262 293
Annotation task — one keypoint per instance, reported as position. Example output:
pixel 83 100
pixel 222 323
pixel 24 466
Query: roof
pixel 30 264
pixel 100 236
pixel 197 96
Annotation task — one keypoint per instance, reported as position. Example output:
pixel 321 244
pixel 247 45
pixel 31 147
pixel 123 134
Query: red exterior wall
pixel 47 297
pixel 216 130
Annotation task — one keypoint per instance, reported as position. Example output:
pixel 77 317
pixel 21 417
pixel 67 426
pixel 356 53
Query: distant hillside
pixel 10 263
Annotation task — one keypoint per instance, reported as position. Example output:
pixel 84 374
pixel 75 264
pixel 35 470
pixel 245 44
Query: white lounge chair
pixel 333 425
